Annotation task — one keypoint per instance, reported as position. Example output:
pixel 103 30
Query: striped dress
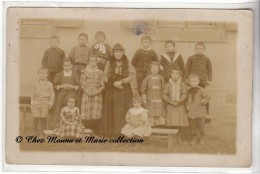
pixel 91 80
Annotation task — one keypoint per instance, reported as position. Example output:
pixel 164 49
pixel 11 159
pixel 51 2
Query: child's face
pixel 200 49
pixel 100 38
pixel 194 82
pixel 71 102
pixel 92 62
pixel 175 75
pixel 154 70
pixel 137 104
pixel 82 40
pixel 54 43
pixel 67 66
pixel 169 47
pixel 146 44
pixel 43 74
pixel 118 54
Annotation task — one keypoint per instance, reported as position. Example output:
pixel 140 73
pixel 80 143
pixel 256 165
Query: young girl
pixel 70 121
pixel 152 90
pixel 171 59
pixel 65 83
pixel 92 85
pixel 197 99
pixel 175 95
pixel 42 100
pixel 102 50
pixel 137 123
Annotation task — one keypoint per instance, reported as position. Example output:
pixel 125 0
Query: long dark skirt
pixel 116 104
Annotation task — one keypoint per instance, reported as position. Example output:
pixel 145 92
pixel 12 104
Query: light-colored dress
pixel 70 124
pixel 152 88
pixel 175 115
pixel 91 107
pixel 137 123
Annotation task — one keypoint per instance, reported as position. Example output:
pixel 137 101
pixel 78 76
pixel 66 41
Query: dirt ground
pixel 220 139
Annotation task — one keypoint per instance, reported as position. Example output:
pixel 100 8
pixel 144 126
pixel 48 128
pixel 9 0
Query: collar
pixel 146 49
pixel 174 83
pixel 167 56
pixel 83 46
pixel 67 73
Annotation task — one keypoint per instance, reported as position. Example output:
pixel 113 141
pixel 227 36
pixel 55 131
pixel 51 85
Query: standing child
pixel 142 60
pixel 65 83
pixel 137 123
pixel 70 120
pixel 53 57
pixel 171 59
pixel 42 99
pixel 175 95
pixel 92 84
pixel 79 54
pixel 152 91
pixel 201 65
pixel 102 50
pixel 197 99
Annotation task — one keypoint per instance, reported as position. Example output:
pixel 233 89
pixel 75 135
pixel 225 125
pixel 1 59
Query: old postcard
pixel 129 87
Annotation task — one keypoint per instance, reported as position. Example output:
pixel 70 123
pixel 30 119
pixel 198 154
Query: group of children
pixel 170 94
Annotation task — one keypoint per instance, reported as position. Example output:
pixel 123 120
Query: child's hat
pixel 137 99
pixel 118 46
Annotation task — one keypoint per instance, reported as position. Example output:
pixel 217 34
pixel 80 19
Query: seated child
pixel 175 95
pixel 152 92
pixel 65 83
pixel 137 123
pixel 42 100
pixel 92 85
pixel 171 59
pixel 197 99
pixel 53 57
pixel 70 120
pixel 102 50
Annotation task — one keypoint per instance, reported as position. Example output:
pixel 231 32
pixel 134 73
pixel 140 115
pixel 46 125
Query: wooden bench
pixel 87 132
pixel 24 109
pixel 170 132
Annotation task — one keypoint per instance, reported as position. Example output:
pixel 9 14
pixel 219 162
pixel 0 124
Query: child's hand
pixel 187 107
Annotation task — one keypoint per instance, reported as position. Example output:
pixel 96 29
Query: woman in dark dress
pixel 118 94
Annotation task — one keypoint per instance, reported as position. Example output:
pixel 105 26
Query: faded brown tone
pixel 225 47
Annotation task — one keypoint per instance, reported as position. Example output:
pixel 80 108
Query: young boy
pixel 197 99
pixel 201 65
pixel 170 60
pixel 65 83
pixel 79 54
pixel 42 100
pixel 142 60
pixel 53 57
pixel 102 50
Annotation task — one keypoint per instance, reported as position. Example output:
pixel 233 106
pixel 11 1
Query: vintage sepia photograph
pixel 129 83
